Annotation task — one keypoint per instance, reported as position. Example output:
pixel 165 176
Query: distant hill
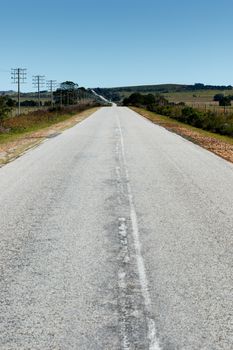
pixel 116 94
pixel 8 92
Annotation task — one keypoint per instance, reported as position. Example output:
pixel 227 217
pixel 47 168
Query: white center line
pixel 153 341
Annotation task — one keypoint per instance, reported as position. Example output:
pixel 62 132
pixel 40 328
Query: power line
pixel 51 85
pixel 60 94
pixel 18 75
pixel 38 81
pixel 2 70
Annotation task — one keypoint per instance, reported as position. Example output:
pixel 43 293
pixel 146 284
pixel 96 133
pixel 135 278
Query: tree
pixel 67 94
pixel 218 97
pixel 10 102
pixel 29 103
pixel 149 99
pixel 223 100
pixel 137 99
pixel 198 86
pixel 134 99
pixel 68 85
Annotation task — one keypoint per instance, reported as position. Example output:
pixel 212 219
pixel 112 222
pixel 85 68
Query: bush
pixel 41 118
pixel 207 120
pixel 5 108
pixel 29 103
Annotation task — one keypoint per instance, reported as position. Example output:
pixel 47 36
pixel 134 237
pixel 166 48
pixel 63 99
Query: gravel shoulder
pixel 220 145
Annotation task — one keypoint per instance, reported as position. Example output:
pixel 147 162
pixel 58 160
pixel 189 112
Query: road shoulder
pixel 220 145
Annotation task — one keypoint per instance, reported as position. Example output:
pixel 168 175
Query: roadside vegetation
pixel 68 100
pixel 218 144
pixel 206 120
pixel 11 127
pixel 12 145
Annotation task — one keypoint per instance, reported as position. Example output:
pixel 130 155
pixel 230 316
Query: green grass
pixel 199 99
pixel 12 135
pixel 193 96
pixel 25 124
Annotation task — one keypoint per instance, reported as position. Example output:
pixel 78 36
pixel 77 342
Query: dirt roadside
pixel 11 150
pixel 222 146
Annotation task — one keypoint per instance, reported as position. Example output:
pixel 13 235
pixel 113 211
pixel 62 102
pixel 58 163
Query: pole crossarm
pixel 18 76
pixel 38 81
pixel 51 85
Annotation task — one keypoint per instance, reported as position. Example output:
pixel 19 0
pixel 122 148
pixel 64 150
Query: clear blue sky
pixel 118 42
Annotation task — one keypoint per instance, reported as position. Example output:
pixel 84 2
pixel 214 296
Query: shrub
pixel 207 120
pixel 4 108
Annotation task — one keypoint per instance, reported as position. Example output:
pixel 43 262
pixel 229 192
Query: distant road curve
pixel 101 97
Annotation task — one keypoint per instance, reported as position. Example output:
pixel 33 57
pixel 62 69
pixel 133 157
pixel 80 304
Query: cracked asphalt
pixel 116 234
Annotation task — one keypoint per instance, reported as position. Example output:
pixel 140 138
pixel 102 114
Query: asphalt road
pixel 116 234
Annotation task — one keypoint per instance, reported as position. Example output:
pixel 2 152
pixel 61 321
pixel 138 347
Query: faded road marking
pixel 153 341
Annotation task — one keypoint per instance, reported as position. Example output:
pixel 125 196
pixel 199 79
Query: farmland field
pixel 201 99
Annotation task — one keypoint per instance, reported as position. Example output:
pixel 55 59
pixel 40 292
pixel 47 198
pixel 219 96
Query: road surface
pixel 116 234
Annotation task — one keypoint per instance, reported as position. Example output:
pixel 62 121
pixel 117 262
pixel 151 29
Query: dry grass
pixel 220 145
pixel 12 146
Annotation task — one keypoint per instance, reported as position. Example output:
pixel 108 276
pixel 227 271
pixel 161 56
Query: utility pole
pixel 38 82
pixel 18 75
pixel 51 84
pixel 60 97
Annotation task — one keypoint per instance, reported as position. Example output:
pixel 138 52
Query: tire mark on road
pixel 152 340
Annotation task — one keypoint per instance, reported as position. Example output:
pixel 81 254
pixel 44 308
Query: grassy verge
pixel 11 128
pixel 28 134
pixel 218 144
